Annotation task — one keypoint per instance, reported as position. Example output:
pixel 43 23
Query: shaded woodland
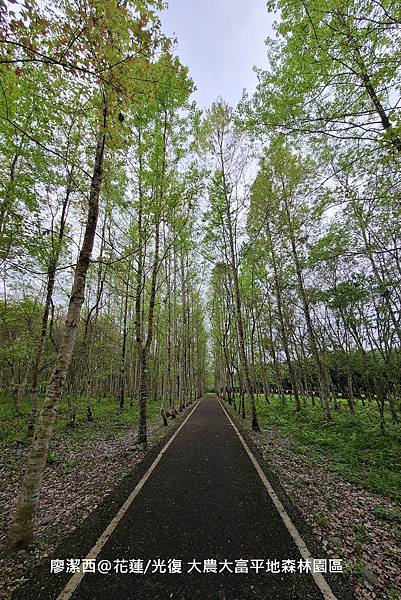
pixel 148 247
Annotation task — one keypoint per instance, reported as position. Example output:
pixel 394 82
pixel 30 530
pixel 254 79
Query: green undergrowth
pixel 356 447
pixel 108 420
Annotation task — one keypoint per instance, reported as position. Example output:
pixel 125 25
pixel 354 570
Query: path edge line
pixel 76 579
pixel 296 536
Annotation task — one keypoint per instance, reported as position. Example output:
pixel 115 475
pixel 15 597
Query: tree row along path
pixel 204 499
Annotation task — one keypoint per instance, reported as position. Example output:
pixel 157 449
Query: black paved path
pixel 204 500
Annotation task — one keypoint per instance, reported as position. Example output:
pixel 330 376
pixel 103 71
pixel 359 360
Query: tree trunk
pixel 51 273
pixel 143 400
pixel 123 347
pixel 283 330
pixel 323 391
pixel 21 532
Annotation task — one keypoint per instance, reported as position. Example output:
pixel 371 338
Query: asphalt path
pixel 204 501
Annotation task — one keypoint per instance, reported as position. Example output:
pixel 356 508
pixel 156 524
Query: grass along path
pixel 358 450
pixel 340 476
pixel 85 464
pixel 107 418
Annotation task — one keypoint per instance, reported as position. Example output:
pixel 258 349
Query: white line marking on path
pixel 76 579
pixel 306 555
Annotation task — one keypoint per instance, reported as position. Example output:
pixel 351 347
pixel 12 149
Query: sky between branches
pixel 220 41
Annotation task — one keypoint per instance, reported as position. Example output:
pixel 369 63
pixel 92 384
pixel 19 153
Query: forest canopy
pixel 151 250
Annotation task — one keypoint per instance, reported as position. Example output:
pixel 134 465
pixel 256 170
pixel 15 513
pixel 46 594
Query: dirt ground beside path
pixel 202 501
pixel 72 489
pixel 341 514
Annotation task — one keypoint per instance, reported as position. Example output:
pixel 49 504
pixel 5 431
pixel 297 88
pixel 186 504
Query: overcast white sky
pixel 220 41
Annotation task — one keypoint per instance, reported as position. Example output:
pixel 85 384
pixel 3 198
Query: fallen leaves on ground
pixel 340 514
pixel 77 478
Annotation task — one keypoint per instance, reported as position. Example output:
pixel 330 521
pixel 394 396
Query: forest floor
pixel 345 479
pixel 200 503
pixel 85 463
